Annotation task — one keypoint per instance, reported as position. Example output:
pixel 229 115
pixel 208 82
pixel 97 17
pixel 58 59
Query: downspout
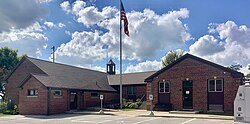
pixel 48 101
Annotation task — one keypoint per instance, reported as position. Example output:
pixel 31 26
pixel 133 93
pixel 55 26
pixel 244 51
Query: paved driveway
pixel 105 119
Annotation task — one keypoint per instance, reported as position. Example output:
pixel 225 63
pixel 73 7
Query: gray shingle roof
pixel 129 78
pixel 66 76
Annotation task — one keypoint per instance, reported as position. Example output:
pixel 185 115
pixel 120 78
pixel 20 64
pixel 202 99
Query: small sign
pixel 101 97
pixel 187 92
pixel 151 97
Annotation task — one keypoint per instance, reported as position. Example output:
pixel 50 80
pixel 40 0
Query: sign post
pixel 101 111
pixel 151 97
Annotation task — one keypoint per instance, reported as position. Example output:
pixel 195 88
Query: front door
pixel 73 100
pixel 187 87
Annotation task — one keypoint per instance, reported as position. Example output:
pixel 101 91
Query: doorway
pixel 187 96
pixel 73 100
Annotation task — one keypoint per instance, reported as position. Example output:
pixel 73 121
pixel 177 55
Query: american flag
pixel 125 20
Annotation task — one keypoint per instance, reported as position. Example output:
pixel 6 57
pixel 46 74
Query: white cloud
pixel 67 32
pixel 49 24
pixel 144 66
pixel 225 44
pixel 207 45
pixel 60 25
pixel 17 14
pixel 29 41
pixel 150 34
pixel 65 6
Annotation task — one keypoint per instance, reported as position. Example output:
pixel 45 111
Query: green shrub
pixel 3 107
pixel 8 108
pixel 130 104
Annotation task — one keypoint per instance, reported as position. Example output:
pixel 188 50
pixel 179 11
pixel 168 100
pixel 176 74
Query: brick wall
pixel 199 73
pixel 19 74
pixel 33 104
pixel 58 104
pixel 90 101
pixel 140 90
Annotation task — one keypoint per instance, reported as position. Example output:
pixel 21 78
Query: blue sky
pixel 214 30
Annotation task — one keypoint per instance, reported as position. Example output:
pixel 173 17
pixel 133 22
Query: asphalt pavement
pixel 105 119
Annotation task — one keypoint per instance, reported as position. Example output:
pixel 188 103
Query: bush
pixel 130 104
pixel 8 108
pixel 3 107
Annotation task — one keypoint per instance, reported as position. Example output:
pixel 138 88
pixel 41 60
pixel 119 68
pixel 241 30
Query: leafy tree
pixel 8 60
pixel 235 67
pixel 248 75
pixel 171 56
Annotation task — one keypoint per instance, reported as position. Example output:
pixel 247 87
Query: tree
pixel 248 75
pixel 171 56
pixel 8 60
pixel 235 67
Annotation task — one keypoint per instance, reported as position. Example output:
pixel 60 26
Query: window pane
pixel 211 85
pixel 58 93
pixel 95 94
pixel 161 87
pixel 167 87
pixel 219 85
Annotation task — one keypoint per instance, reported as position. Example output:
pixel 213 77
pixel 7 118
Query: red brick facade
pixel 21 72
pixel 199 73
pixel 33 104
pixel 42 104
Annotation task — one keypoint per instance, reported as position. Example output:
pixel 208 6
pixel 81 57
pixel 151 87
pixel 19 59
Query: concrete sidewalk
pixel 145 113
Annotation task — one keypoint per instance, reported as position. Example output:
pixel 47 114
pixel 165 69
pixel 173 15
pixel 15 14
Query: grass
pixel 127 109
pixel 1 114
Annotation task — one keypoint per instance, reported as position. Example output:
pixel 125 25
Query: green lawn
pixel 127 109
pixel 1 114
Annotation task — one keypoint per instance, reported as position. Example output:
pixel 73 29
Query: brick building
pixel 192 83
pixel 43 87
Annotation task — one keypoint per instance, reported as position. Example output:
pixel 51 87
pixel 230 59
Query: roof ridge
pixel 62 64
pixel 134 73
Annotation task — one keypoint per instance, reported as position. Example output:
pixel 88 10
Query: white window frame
pixel 164 82
pixel 54 91
pixel 35 93
pixel 215 88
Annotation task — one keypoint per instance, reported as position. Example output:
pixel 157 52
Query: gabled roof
pixel 111 62
pixel 129 78
pixel 66 76
pixel 233 73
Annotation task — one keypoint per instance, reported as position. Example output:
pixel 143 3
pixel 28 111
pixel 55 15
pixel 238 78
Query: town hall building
pixel 191 83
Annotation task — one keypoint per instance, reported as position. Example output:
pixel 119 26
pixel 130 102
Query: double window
pixel 32 92
pixel 164 87
pixel 131 90
pixel 215 85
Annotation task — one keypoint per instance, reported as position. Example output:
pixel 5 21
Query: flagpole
pixel 120 57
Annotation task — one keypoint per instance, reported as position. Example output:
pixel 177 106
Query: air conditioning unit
pixel 242 104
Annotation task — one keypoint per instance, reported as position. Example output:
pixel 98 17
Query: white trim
pixel 59 94
pixel 164 82
pixel 215 90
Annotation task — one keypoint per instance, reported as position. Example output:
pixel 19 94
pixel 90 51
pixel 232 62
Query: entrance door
pixel 73 100
pixel 187 87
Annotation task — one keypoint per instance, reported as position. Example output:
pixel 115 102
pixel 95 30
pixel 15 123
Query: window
pixel 57 93
pixel 32 92
pixel 95 94
pixel 131 90
pixel 164 87
pixel 215 85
